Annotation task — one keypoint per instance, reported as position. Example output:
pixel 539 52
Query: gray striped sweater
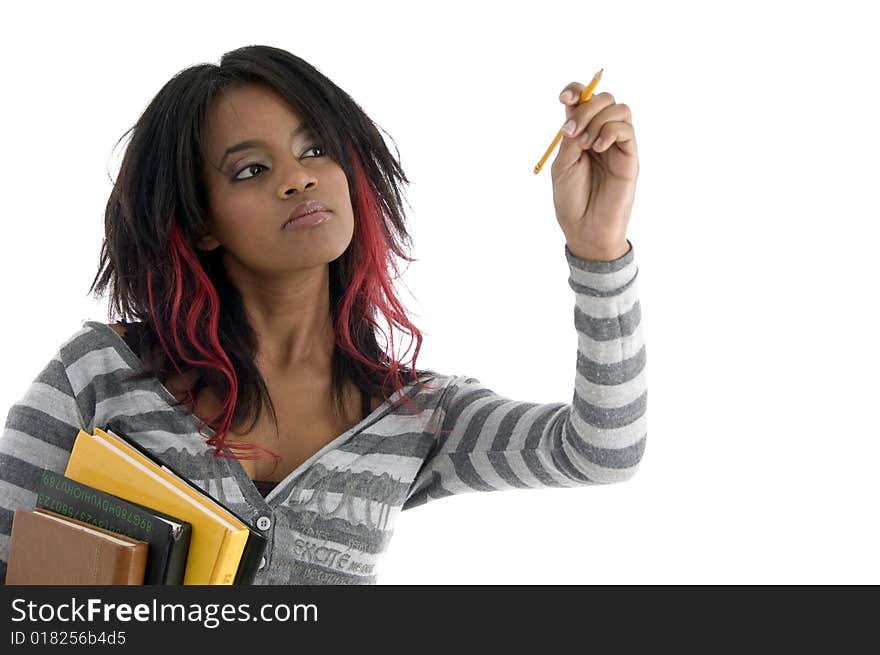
pixel 331 519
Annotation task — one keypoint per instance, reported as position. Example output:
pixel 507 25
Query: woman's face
pixel 252 191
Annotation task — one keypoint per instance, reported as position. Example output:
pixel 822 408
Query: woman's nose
pixel 300 179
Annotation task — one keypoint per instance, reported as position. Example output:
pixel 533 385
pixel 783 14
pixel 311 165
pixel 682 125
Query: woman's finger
pixel 581 115
pixel 620 132
pixel 574 89
pixel 610 114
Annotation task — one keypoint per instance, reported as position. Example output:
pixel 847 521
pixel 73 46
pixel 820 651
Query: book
pixel 47 548
pixel 256 543
pixel 167 537
pixel 247 563
pixel 105 461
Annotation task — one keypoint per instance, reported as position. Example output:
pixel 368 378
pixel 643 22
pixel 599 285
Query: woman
pixel 249 237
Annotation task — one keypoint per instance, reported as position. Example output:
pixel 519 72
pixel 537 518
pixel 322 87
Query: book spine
pixel 254 548
pixel 176 568
pixel 136 564
pixel 229 557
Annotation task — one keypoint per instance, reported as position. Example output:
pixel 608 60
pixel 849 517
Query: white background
pixel 755 232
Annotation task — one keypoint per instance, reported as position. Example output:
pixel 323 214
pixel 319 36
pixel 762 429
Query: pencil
pixel 586 94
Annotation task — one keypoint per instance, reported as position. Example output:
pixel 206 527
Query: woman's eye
pixel 247 168
pixel 250 166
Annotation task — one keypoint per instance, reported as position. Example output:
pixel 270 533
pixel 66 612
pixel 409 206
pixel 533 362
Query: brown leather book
pixel 47 548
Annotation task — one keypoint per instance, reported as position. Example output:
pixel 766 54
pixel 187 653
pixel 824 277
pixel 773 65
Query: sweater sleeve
pixel 488 442
pixel 39 433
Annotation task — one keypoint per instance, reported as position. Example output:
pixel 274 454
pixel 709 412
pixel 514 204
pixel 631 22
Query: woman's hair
pixel 190 312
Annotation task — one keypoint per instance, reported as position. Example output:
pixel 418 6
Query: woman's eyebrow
pixel 251 143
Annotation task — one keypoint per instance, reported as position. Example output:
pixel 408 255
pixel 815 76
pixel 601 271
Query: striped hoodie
pixel 330 520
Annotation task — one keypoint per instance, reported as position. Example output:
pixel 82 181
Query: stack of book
pixel 120 516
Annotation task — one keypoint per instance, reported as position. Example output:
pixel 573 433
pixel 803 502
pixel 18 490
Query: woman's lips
pixel 315 218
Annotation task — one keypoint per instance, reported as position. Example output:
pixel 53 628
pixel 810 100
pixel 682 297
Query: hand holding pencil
pixel 594 173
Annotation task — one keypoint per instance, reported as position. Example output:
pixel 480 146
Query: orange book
pixel 47 548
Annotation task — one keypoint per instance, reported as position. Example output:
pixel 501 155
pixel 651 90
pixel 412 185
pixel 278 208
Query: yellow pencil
pixel 586 94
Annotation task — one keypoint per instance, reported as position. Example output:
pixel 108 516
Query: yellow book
pixel 107 462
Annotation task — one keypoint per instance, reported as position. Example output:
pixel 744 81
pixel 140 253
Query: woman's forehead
pixel 246 109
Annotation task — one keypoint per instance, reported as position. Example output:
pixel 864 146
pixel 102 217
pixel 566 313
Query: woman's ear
pixel 207 242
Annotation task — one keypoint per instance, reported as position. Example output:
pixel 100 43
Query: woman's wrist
pixel 599 253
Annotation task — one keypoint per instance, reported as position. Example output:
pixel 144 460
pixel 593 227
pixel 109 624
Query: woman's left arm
pixel 489 442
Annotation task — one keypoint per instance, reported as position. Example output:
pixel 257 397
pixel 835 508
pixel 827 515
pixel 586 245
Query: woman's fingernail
pixel 567 96
pixel 568 128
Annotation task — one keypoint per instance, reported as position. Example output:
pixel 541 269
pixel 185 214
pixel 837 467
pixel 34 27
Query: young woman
pixel 249 238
